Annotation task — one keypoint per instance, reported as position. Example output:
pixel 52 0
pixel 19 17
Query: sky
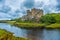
pixel 10 9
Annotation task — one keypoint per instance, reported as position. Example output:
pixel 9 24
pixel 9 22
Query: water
pixel 33 34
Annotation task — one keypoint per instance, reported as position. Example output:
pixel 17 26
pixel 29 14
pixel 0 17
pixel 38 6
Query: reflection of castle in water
pixel 34 14
pixel 35 34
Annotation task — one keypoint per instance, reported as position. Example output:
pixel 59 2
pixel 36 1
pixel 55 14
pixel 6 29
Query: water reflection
pixel 17 31
pixel 51 34
pixel 33 34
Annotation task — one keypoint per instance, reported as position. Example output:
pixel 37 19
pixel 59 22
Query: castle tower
pixel 33 11
pixel 34 14
pixel 28 12
pixel 41 12
pixel 29 15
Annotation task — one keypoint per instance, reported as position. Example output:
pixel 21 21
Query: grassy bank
pixel 5 35
pixel 29 25
pixel 34 25
pixel 53 26
pixel 26 25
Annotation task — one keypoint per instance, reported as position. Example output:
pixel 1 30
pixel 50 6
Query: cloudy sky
pixel 10 9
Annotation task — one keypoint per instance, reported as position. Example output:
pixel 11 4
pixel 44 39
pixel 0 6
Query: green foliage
pixel 17 20
pixel 25 21
pixel 29 21
pixel 50 18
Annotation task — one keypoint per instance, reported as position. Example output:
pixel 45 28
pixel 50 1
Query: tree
pixel 48 18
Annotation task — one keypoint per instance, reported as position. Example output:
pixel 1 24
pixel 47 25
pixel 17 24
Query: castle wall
pixel 34 14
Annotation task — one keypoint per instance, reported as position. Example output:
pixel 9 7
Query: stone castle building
pixel 34 14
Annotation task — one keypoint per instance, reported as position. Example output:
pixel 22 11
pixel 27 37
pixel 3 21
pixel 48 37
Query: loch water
pixel 33 34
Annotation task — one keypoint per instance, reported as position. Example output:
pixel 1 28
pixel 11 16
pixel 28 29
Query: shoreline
pixel 33 25
pixel 6 35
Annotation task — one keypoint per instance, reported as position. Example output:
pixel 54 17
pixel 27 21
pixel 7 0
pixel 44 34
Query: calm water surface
pixel 33 34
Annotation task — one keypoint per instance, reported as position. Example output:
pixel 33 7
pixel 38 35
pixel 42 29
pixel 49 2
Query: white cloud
pixel 4 16
pixel 46 5
pixel 14 4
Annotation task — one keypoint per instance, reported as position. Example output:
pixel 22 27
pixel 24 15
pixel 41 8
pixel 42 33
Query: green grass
pixel 33 25
pixel 29 25
pixel 36 25
pixel 56 25
pixel 11 22
pixel 5 35
pixel 26 25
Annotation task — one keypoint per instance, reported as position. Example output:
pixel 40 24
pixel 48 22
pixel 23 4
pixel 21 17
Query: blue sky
pixel 10 9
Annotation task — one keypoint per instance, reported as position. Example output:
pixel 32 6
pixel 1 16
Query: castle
pixel 33 14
